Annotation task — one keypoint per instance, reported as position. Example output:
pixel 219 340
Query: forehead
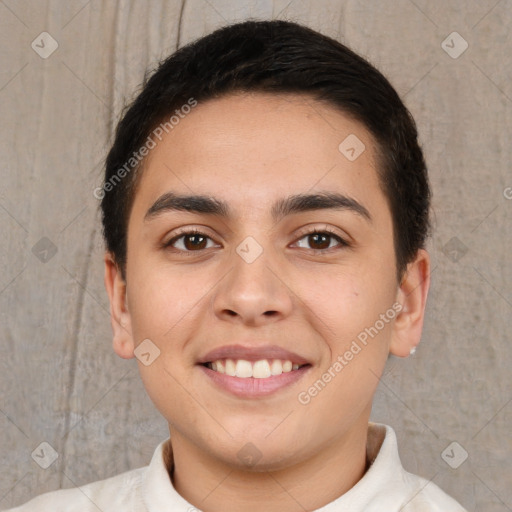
pixel 254 148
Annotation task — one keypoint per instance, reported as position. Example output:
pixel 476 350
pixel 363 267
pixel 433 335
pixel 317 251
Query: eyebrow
pixel 284 207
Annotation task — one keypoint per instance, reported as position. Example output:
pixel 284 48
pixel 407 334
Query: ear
pixel 119 314
pixel 412 295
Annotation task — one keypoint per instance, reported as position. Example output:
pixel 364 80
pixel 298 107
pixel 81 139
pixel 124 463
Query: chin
pixel 257 451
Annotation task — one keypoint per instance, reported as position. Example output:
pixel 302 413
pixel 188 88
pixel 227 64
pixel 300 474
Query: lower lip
pixel 253 388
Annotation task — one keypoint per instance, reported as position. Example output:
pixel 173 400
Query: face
pixel 245 280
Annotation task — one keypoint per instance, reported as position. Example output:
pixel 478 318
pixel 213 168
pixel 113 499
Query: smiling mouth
pixel 261 369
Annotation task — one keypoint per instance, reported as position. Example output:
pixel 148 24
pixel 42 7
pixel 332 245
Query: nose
pixel 254 291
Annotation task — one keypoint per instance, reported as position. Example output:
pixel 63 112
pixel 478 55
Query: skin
pixel 250 150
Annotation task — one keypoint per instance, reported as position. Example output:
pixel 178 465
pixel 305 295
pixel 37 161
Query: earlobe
pixel 412 295
pixel 119 315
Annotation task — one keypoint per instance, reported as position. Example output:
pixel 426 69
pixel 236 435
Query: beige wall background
pixel 61 383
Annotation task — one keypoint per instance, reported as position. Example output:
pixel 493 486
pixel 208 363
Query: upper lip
pixel 252 354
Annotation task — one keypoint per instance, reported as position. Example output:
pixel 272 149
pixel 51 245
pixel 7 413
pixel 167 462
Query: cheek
pixel 347 300
pixel 148 310
pixel 160 293
pixel 348 316
pixel 163 308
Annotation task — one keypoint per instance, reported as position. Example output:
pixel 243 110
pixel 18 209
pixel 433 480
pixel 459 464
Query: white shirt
pixel 385 487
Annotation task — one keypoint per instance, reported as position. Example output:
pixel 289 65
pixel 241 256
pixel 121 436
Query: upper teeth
pixel 258 369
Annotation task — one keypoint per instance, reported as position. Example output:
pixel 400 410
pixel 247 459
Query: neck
pixel 209 484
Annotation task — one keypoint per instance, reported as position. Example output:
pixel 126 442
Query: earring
pixel 412 351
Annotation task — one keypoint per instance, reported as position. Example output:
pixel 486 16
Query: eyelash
pixel 324 231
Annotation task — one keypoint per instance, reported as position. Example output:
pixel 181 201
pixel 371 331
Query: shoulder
pixel 426 496
pixel 389 483
pixel 120 492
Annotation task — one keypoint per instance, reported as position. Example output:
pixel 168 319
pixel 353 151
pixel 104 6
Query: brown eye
pixel 321 240
pixel 190 241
